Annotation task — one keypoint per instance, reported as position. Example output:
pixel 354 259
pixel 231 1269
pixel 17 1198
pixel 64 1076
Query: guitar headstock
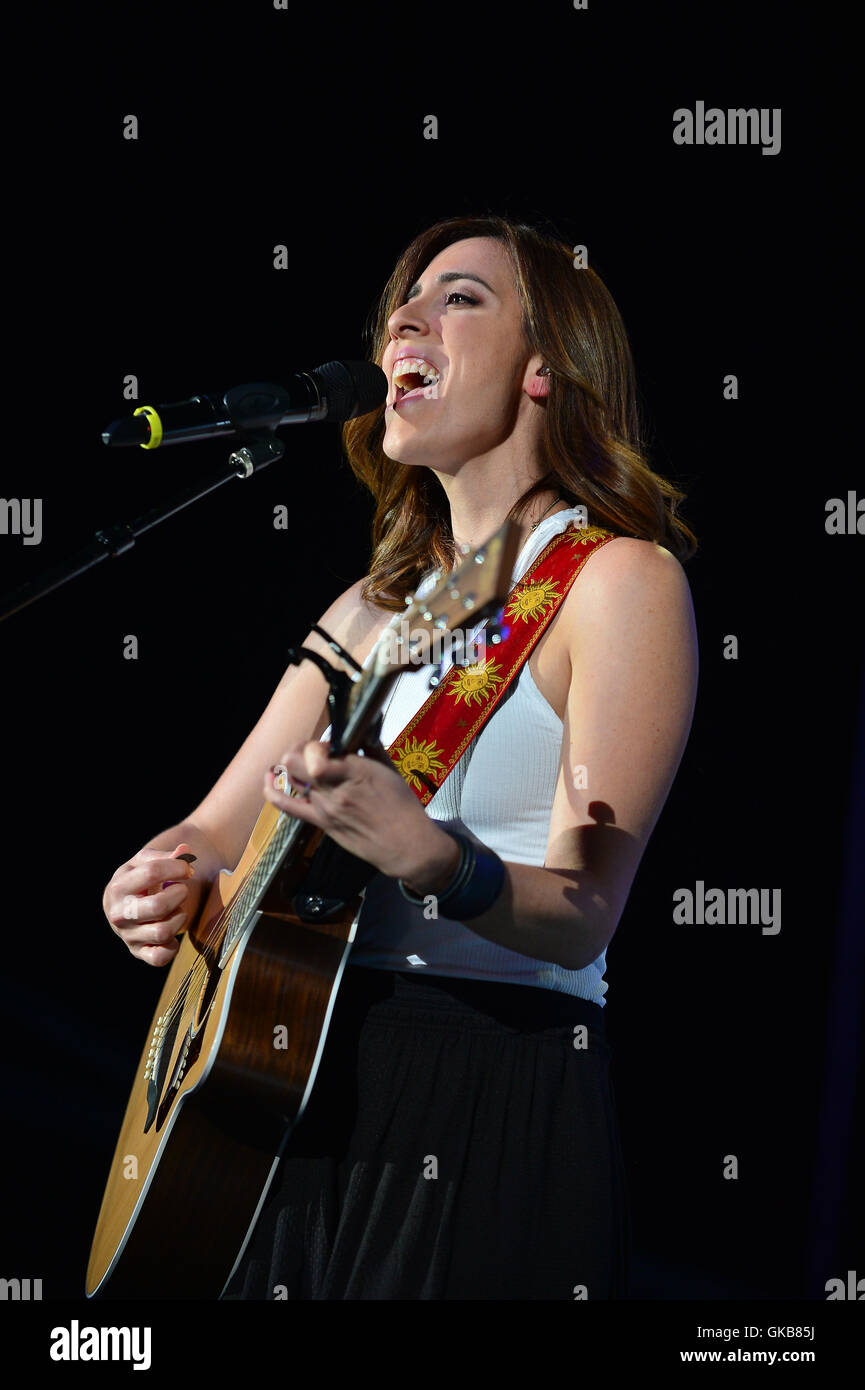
pixel 475 590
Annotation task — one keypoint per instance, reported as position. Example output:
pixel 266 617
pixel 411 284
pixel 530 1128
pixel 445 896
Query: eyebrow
pixel 447 276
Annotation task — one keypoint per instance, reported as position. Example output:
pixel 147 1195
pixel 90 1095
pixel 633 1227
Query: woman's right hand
pixel 150 899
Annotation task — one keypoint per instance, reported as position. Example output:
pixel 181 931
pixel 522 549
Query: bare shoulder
pixel 354 614
pixel 353 621
pixel 630 577
pixel 627 561
pixel 630 613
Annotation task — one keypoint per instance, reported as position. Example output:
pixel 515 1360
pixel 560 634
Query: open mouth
pixel 414 376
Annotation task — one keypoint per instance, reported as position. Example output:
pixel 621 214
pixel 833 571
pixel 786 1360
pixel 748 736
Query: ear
pixel 538 386
pixel 537 379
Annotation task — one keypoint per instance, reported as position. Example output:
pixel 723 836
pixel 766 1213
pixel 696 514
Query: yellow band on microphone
pixel 155 426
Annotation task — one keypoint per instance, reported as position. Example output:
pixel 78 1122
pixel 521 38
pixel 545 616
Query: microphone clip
pixel 257 453
pixel 255 410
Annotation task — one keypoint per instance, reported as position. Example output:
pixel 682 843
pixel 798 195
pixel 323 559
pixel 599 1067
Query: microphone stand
pixel 261 449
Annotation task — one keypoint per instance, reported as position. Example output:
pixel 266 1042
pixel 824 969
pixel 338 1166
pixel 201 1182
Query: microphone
pixel 335 391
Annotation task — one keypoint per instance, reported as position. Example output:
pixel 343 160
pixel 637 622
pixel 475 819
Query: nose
pixel 406 319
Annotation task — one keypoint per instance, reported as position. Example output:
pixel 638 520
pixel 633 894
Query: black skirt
pixel 456 1145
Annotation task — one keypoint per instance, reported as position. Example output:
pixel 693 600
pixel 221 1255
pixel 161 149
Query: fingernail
pixel 190 858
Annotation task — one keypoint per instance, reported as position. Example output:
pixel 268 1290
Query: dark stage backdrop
pixel 154 257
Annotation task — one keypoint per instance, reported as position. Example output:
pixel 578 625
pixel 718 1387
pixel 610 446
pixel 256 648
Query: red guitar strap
pixel 432 743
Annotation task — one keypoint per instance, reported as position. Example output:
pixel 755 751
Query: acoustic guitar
pixel 235 1045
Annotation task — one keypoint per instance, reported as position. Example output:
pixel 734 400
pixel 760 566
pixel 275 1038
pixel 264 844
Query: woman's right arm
pixel 145 914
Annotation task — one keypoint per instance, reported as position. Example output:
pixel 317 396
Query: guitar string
pixel 219 926
pixel 224 919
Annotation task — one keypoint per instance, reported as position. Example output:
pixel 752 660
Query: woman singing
pixel 461 1138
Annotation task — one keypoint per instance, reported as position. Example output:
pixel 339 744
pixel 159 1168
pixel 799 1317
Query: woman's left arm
pixel 628 626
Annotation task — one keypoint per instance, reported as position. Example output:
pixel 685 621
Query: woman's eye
pixel 458 294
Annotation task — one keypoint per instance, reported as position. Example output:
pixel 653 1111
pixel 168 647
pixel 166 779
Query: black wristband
pixel 475 886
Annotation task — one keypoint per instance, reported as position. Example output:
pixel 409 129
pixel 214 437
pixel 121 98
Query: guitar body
pixel 221 1080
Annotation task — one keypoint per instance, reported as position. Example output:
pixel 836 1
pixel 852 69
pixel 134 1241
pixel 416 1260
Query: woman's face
pixel 457 362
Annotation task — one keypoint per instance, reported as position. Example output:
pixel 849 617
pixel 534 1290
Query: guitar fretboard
pixel 244 904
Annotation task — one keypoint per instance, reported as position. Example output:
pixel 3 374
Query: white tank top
pixel 500 793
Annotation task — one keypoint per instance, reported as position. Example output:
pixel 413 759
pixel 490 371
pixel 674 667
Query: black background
pixel 154 257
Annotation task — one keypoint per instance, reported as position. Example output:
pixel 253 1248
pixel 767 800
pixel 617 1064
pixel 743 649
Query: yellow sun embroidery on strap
pixel 533 601
pixel 475 682
pixel 418 755
pixel 581 535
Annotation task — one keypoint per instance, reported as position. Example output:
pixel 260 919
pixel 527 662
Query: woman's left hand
pixel 364 804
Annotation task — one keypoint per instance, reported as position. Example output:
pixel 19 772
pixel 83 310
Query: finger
pixel 158 934
pixel 310 762
pixel 182 851
pixel 152 907
pixel 144 878
pixel 162 933
pixel 297 806
pixel 292 760
pixel 157 955
pixel 281 779
pixel 322 768
pixel 291 773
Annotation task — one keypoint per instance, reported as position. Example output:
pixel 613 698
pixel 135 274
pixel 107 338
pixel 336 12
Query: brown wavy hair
pixel 592 445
